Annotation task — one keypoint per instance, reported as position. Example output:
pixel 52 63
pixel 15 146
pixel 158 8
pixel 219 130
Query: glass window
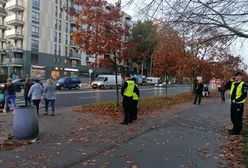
pixel 55 49
pixel 74 63
pixel 59 37
pixel 56 24
pixel 55 36
pixel 36 3
pixel 34 44
pixel 60 25
pixel 35 16
pixel 35 31
pixel 59 50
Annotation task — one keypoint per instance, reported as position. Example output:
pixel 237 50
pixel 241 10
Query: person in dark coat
pixel 9 92
pixel 26 87
pixel 198 91
pixel 222 92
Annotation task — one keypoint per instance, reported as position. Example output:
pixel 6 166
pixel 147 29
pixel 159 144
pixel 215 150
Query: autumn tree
pixel 168 53
pixel 100 30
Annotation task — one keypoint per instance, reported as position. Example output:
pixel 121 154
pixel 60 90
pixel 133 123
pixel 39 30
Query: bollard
pixel 25 123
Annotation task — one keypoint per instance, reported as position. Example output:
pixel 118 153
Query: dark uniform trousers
pixel 127 104
pixel 237 110
pixel 135 109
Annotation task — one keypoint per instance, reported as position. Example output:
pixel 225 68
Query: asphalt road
pixel 68 98
pixel 74 98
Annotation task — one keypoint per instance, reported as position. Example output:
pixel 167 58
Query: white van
pixel 152 80
pixel 106 81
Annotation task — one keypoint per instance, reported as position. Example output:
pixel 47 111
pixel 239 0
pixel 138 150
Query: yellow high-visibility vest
pixel 238 91
pixel 135 96
pixel 130 87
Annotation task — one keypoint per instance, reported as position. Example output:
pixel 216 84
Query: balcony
pixel 13 62
pixel 15 6
pixel 2 39
pixel 17 49
pixel 3 2
pixel 3 12
pixel 2 26
pixel 15 35
pixel 14 20
pixel 75 56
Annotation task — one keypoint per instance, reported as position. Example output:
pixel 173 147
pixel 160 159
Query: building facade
pixel 35 40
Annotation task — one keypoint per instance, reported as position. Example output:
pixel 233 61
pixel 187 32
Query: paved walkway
pixel 186 136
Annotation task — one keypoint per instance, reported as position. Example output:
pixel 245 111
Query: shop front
pixel 38 72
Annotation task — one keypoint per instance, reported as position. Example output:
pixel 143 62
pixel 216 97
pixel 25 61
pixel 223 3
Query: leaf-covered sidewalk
pixel 184 136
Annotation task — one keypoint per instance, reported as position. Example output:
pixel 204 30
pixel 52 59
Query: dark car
pixel 19 83
pixel 68 83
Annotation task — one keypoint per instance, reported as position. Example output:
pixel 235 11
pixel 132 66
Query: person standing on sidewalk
pixel 35 92
pixel 49 96
pixel 26 87
pixel 238 94
pixel 222 92
pixel 127 92
pixel 9 92
pixel 198 91
pixel 135 101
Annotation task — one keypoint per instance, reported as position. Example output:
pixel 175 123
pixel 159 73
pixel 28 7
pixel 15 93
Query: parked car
pixel 68 83
pixel 106 81
pixel 19 83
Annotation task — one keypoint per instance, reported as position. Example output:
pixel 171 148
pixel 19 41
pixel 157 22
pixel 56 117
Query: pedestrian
pixel 127 92
pixel 10 96
pixel 36 92
pixel 49 96
pixel 135 101
pixel 26 87
pixel 198 91
pixel 238 94
pixel 222 92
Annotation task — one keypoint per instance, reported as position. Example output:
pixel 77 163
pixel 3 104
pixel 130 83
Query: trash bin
pixel 25 124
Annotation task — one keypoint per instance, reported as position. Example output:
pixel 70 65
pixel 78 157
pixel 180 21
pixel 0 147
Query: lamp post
pixel 9 48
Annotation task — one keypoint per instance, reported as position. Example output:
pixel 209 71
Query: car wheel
pixel 77 88
pixel 102 87
pixel 62 88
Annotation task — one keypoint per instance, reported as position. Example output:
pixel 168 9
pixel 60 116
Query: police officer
pixel 135 101
pixel 238 94
pixel 127 92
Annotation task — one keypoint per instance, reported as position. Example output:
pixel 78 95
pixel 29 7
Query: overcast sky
pixel 239 48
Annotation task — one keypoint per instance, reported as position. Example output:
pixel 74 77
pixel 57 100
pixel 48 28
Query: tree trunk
pixel 116 81
pixel 166 80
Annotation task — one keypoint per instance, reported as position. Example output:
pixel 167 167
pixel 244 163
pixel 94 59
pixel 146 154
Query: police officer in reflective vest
pixel 238 94
pixel 127 92
pixel 135 101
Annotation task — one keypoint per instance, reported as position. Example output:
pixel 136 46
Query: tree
pixel 168 53
pixel 100 30
pixel 229 17
pixel 143 42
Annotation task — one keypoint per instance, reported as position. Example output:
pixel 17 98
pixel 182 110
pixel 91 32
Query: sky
pixel 239 47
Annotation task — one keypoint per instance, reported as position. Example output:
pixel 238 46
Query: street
pixel 68 98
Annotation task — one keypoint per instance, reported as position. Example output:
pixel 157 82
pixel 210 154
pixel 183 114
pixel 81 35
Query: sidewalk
pixel 187 136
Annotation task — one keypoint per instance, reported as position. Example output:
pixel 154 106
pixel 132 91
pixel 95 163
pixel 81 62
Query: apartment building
pixel 35 40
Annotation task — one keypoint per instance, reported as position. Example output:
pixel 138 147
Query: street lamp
pixel 9 48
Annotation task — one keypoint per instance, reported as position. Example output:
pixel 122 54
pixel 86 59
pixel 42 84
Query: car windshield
pixel 61 80
pixel 99 79
pixel 16 81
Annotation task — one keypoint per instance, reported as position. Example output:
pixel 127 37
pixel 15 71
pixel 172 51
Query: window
pixel 56 24
pixel 66 27
pixel 55 36
pixel 74 63
pixel 60 25
pixel 35 16
pixel 34 44
pixel 55 49
pixel 66 51
pixel 34 58
pixel 59 50
pixel 35 31
pixel 36 3
pixel 66 39
pixel 56 12
pixel 59 37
